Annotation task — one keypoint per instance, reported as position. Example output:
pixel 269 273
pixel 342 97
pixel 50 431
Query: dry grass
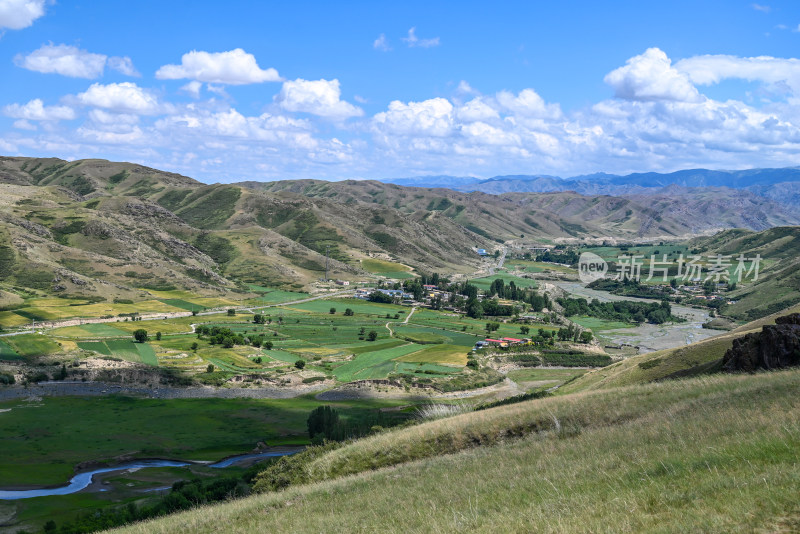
pixel 714 454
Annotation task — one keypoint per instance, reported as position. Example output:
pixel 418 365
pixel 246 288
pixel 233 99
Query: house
pixel 512 340
pixel 496 342
pixel 482 252
pixel 342 283
pixel 430 287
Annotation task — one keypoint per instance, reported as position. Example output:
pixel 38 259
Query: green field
pixel 125 349
pixel 388 269
pixel 43 441
pixel 486 282
pixel 371 365
pixel 443 354
pixel 7 353
pixel 598 326
pixel 32 345
pixel 268 295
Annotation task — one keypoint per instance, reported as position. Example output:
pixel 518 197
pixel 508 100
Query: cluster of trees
pixel 573 333
pixel 377 296
pixel 622 310
pixel 568 257
pixel 218 335
pixel 324 423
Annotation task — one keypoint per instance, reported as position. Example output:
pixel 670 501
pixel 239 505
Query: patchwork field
pixel 125 349
pixel 388 269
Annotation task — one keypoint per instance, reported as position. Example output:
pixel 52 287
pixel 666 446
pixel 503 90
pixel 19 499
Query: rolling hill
pixel 697 455
pixel 109 230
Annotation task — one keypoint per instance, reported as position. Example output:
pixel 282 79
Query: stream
pixel 83 480
pixel 649 337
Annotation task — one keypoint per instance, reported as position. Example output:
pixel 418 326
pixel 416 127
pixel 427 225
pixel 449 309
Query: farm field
pixel 538 266
pixel 485 282
pixel 388 269
pixel 597 325
pixel 125 349
pixel 536 378
pixel 51 440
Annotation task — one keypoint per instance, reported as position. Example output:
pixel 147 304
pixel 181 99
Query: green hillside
pixel 698 358
pixel 697 455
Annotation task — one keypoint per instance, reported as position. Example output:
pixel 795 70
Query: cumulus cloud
pixel 650 76
pixel 432 117
pixel 318 97
pixel 712 69
pixel 35 110
pixel 235 67
pixel 761 7
pixel 413 41
pixel 63 59
pixel 476 110
pixel 529 104
pixel 19 14
pixel 123 97
pixel 73 62
pixel 381 43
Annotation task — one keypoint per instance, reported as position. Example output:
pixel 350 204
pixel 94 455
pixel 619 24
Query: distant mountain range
pixel 779 185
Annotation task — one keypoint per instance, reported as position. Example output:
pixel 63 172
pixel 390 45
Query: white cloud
pixel 218 90
pixel 19 14
pixel 712 69
pixel 63 59
pixel 381 43
pixel 318 97
pixel 24 124
pixel 73 62
pixel 476 110
pixel 432 117
pixel 193 88
pixel 235 67
pixel 35 110
pixel 762 8
pixel 123 65
pixel 125 97
pixel 483 133
pixel 650 76
pixel 529 104
pixel 413 41
pixel 100 117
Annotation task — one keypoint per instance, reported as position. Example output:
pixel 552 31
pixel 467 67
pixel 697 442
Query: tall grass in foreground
pixel 432 411
pixel 714 454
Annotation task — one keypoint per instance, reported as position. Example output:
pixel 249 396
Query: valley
pixel 146 317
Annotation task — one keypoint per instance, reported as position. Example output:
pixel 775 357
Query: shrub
pixel 6 379
pixel 140 335
pixel 300 364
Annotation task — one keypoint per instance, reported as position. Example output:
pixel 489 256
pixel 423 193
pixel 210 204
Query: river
pixel 83 480
pixel 649 337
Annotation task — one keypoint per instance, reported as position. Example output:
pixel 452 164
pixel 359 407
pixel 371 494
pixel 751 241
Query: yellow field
pixel 165 327
pixel 8 318
pixel 212 302
pixel 69 331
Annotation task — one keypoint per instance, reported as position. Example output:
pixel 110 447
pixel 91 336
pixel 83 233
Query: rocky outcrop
pixel 775 347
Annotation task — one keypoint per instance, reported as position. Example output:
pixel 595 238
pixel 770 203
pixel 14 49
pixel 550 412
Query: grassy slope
pixel 606 461
pixel 691 359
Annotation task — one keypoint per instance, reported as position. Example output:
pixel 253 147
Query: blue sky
pixel 332 90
